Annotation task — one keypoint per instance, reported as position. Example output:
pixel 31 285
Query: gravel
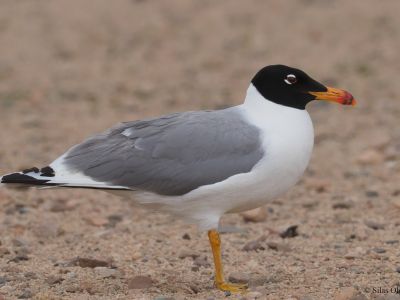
pixel 65 76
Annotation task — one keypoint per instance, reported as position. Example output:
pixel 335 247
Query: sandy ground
pixel 69 69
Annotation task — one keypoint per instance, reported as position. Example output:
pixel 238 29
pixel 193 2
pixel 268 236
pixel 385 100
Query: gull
pixel 200 165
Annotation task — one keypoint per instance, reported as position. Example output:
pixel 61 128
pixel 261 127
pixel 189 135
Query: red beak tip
pixel 348 99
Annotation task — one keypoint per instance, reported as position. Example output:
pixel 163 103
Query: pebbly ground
pixel 69 69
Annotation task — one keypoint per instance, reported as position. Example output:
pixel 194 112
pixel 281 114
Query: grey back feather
pixel 171 155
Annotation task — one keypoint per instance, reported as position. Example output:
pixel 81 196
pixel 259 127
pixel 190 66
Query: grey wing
pixel 171 155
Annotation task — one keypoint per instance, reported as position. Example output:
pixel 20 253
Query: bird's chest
pixel 287 152
pixel 287 143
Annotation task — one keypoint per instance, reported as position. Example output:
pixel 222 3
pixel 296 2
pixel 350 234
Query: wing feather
pixel 171 155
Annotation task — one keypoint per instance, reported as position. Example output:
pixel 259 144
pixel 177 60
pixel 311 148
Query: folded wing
pixel 171 155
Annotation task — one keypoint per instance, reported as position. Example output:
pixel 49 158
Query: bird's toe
pixel 233 288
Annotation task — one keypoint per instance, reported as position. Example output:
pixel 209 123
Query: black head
pixel 294 88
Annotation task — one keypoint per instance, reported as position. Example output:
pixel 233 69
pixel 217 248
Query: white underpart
pixel 287 137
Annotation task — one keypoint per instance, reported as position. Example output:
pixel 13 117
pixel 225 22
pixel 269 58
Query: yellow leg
pixel 215 242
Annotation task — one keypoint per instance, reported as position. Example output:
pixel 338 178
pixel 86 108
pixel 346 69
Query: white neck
pixel 253 96
pixel 260 108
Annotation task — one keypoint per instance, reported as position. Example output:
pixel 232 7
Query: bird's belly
pixel 269 180
pixel 250 190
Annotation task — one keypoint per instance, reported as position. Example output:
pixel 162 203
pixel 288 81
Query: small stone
pixel 3 281
pixel 187 253
pixel 201 261
pixel 30 275
pixel 396 193
pixel 392 242
pixel 195 288
pixel 370 157
pixel 290 232
pixel 186 236
pixel 239 278
pixel 195 269
pixel 258 281
pixel 113 220
pixel 61 205
pixel 374 225
pixel 350 237
pixel 72 288
pixel 278 246
pixel 96 221
pixel 52 280
pixel 371 194
pixel 26 294
pixel 317 184
pixel 342 205
pixel 379 250
pixel 355 253
pixel 71 275
pixel 140 282
pixel 356 270
pixel 310 204
pixel 21 208
pixel 4 251
pixel 88 263
pixel 306 297
pixel 351 255
pixel 230 229
pixel 105 272
pixel 398 269
pixel 19 257
pixel 255 215
pixel 253 246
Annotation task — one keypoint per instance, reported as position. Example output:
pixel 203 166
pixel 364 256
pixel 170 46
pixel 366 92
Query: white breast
pixel 288 139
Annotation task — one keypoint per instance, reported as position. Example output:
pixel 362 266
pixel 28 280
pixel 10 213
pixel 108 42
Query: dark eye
pixel 290 79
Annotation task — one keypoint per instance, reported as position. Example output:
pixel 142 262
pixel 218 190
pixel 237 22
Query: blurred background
pixel 69 69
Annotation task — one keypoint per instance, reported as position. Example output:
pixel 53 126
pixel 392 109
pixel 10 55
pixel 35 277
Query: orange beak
pixel 335 95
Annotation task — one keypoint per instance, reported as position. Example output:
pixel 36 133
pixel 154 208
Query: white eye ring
pixel 290 79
